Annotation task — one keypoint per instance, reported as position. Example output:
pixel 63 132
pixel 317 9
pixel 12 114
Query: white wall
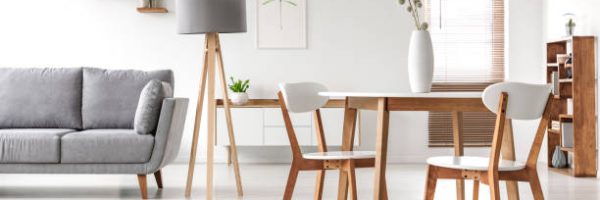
pixel 587 20
pixel 357 45
pixel 525 61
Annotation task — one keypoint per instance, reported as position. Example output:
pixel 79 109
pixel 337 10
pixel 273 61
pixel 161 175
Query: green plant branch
pixel 239 86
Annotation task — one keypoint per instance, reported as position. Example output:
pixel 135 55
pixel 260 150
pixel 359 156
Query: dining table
pixel 385 102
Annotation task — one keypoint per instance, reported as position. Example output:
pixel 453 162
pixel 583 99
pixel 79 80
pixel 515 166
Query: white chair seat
pixel 339 155
pixel 473 163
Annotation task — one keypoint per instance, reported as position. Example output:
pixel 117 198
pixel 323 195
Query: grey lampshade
pixel 203 16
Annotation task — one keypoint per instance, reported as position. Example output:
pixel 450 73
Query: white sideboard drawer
pixel 333 124
pixel 273 117
pixel 247 127
pixel 277 136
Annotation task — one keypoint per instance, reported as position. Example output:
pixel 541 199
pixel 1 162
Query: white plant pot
pixel 239 98
pixel 144 3
pixel 420 62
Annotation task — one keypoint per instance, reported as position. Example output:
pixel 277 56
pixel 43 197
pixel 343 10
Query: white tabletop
pixel 405 94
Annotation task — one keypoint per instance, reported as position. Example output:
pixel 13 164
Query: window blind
pixel 468 42
pixel 478 127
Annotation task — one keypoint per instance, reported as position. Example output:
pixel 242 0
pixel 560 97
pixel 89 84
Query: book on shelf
pixel 567 134
pixel 569 106
pixel 555 125
pixel 555 83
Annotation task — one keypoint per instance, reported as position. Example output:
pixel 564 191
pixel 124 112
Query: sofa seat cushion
pixel 110 97
pixel 30 145
pixel 107 146
pixel 40 98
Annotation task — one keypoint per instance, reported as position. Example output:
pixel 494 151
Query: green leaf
pixel 291 3
pixel 267 2
pixel 239 85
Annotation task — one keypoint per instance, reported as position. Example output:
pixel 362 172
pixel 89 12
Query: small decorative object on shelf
pixel 569 66
pixel 150 6
pixel 420 50
pixel 559 160
pixel 562 58
pixel 570 24
pixel 239 95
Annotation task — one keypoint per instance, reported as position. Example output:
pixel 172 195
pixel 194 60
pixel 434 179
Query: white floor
pixel 266 182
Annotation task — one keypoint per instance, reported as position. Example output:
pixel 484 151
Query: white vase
pixel 239 98
pixel 144 3
pixel 420 62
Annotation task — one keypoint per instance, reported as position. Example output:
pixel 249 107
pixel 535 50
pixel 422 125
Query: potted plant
pixel 238 91
pixel 570 26
pixel 420 51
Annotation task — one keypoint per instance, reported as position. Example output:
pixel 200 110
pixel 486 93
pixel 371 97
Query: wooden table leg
pixel 458 149
pixel 381 147
pixel 508 153
pixel 347 144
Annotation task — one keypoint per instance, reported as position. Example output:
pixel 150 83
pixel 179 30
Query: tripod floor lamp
pixel 211 17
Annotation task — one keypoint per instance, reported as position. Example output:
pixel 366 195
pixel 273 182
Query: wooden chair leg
pixel 291 183
pixel 536 187
pixel 319 185
pixel 430 183
pixel 343 185
pixel 494 189
pixel 475 190
pixel 351 179
pixel 385 191
pixel 158 177
pixel 143 185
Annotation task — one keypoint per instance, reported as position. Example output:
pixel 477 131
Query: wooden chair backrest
pixel 298 98
pixel 511 100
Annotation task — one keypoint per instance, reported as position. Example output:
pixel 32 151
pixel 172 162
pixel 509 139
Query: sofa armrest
pixel 169 131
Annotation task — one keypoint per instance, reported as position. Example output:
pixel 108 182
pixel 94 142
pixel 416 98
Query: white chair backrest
pixel 525 101
pixel 303 97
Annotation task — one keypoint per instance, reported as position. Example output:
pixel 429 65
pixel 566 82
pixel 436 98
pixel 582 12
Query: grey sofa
pixel 80 120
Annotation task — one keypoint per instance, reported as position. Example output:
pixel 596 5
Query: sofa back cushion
pixel 40 98
pixel 110 97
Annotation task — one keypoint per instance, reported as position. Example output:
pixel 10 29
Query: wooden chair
pixel 508 100
pixel 303 97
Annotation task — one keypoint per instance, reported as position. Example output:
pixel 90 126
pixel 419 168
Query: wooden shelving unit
pixel 581 88
pixel 152 10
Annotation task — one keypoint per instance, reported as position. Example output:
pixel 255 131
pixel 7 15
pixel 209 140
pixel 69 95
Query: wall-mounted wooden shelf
pixel 578 85
pixel 152 10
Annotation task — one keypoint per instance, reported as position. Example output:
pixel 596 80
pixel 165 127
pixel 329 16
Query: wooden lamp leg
pixel 227 109
pixel 207 85
pixel 199 105
pixel 212 107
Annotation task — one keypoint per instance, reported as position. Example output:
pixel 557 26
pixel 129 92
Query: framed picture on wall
pixel 281 24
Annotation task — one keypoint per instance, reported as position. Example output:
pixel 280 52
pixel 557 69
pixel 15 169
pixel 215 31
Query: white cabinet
pixel 265 127
pixel 247 126
pixel 277 136
pixel 273 117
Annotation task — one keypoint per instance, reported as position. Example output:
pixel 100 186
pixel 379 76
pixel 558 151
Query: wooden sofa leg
pixel 158 177
pixel 143 185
